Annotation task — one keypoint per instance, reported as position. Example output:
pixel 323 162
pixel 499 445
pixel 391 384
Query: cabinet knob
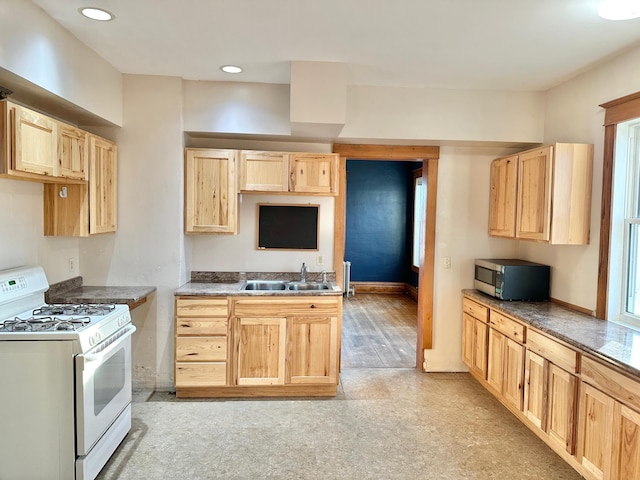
pixel 313 305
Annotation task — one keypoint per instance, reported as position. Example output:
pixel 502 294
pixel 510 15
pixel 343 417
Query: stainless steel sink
pixel 307 286
pixel 265 285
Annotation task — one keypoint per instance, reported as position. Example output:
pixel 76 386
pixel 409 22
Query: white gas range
pixel 66 378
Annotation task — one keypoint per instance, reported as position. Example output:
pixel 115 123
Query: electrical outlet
pixel 447 262
pixel 319 260
pixel 72 264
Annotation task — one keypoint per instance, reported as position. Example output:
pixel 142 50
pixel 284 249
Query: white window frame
pixel 626 215
pixel 419 221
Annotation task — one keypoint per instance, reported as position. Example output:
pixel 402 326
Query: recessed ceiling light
pixel 231 69
pixel 619 9
pixel 96 14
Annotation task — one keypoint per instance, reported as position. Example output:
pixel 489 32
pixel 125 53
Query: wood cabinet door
pixel 534 194
pixel 73 152
pixel 260 348
pixel 35 142
pixel 264 171
pixel 561 408
pixel 314 173
pixel 625 463
pixel 103 185
pixel 312 350
pixel 513 376
pixel 468 335
pixel 495 366
pixel 210 191
pixel 535 389
pixel 480 345
pixel 594 432
pixel 502 197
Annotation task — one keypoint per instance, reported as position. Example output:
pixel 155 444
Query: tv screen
pixel 288 227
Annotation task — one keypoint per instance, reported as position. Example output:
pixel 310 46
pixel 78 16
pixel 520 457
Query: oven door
pixel 103 387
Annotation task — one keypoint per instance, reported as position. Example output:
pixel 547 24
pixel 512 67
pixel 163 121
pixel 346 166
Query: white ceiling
pixel 471 44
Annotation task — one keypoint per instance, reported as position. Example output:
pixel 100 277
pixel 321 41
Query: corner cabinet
pixel 87 208
pixel 288 172
pixel 210 189
pixel 543 194
pixel 248 346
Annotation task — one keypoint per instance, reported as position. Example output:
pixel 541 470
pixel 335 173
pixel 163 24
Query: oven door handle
pixel 100 355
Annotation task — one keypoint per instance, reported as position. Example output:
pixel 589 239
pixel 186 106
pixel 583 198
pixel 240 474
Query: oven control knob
pixel 122 320
pixel 94 339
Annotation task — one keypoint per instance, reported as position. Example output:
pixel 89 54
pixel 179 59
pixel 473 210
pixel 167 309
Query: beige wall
pixel 573 115
pixel 36 48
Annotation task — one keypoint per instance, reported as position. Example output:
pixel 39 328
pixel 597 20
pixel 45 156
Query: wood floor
pixel 379 331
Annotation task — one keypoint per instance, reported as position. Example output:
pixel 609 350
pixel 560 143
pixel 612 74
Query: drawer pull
pixel 313 305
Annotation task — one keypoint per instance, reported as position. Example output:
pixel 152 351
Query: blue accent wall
pixel 379 218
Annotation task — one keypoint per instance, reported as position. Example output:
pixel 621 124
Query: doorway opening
pixel 429 156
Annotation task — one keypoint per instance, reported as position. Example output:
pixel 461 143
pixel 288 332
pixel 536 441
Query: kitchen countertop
pixel 73 291
pixel 231 283
pixel 608 341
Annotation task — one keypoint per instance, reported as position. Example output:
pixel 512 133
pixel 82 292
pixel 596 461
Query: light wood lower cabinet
pixel 299 344
pixel 257 346
pixel 475 337
pixel 505 369
pixel 259 350
pixel 609 424
pixel 201 343
pixel 586 411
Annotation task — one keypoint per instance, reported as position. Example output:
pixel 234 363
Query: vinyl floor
pixel 384 424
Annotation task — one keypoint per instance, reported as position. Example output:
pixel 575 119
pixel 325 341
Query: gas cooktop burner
pixel 70 309
pixel 43 324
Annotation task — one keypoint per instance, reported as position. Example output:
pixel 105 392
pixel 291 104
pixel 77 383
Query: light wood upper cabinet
pixel 502 211
pixel 73 152
pixel 552 194
pixel 103 186
pixel 287 172
pixel 87 208
pixel 211 196
pixel 264 171
pixel 35 142
pixel 314 173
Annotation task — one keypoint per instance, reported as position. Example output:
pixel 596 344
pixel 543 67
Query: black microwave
pixel 512 279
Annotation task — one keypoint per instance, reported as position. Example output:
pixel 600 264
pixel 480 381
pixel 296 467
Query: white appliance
pixel 65 371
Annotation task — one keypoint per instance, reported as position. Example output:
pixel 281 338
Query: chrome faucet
pixel 303 273
pixel 324 277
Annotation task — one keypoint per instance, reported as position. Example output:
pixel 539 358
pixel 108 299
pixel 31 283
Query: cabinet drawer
pixel 201 374
pixel 556 353
pixel 619 386
pixel 201 326
pixel 475 309
pixel 507 326
pixel 202 307
pixel 201 349
pixel 263 307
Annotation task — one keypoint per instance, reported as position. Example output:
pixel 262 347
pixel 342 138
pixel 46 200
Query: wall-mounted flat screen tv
pixel 288 227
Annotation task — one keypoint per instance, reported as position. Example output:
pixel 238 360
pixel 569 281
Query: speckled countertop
pixel 231 283
pixel 73 291
pixel 614 343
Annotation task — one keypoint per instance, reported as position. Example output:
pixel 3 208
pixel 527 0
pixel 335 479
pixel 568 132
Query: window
pixel 626 220
pixel 419 218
